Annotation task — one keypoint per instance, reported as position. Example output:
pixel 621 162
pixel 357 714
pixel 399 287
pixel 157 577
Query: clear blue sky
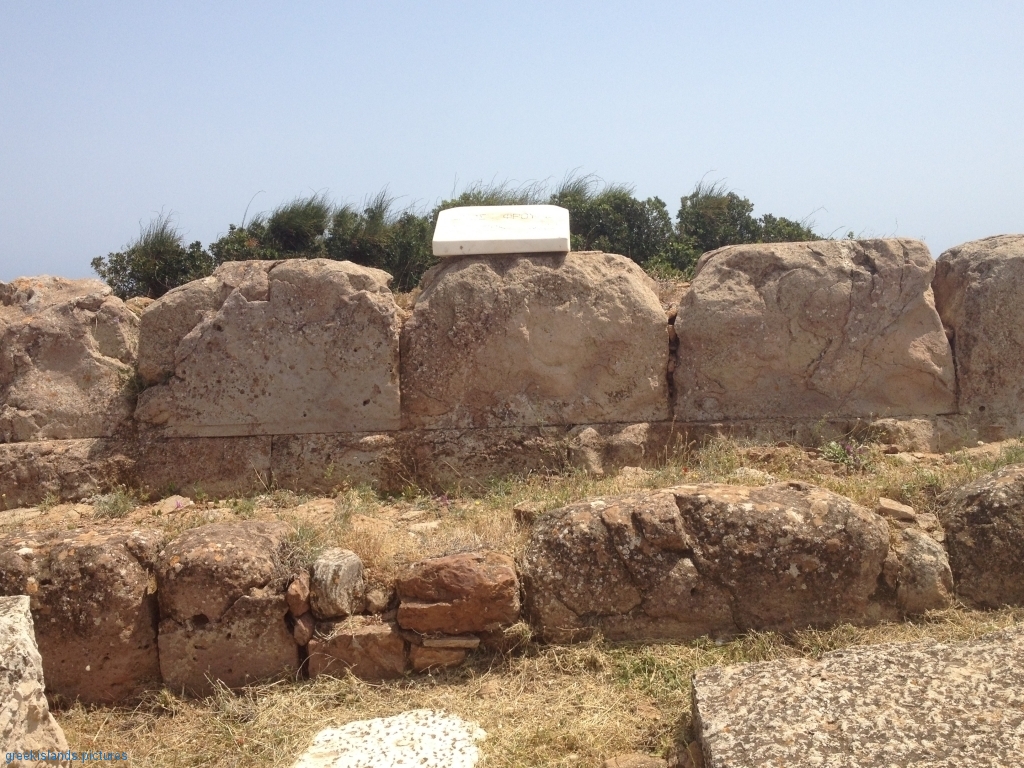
pixel 886 118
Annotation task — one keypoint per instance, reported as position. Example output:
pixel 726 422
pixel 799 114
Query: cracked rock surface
pixel 825 328
pixel 67 353
pixel 272 347
pixel 528 340
pixel 717 560
pixel 923 704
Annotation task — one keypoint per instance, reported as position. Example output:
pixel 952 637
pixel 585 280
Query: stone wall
pixel 304 374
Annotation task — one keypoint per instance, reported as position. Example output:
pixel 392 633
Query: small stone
pixel 298 595
pixel 173 504
pixel 377 600
pixel 336 588
pixel 305 626
pixel 467 642
pixel 526 513
pixel 895 510
pixel 424 658
pixel 459 594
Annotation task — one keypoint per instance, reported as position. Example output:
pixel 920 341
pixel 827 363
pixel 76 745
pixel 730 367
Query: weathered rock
pixel 322 463
pixel 67 353
pixel 202 572
pixel 305 627
pixel 63 469
pixel 924 704
pixel 336 588
pixel 93 607
pixel 829 328
pixel 369 649
pixel 716 560
pixel 924 581
pixel 984 526
pixel 249 642
pixel 25 720
pixel 423 658
pixel 423 738
pixel 215 466
pixel 378 600
pixel 978 286
pixel 298 346
pixel 170 319
pixel 895 510
pixel 459 594
pixel 297 594
pixel 534 340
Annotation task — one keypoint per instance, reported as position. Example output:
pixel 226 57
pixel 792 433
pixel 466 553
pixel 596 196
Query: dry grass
pixel 550 706
pixel 553 706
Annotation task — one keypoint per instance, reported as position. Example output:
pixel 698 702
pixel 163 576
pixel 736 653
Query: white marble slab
pixel 421 738
pixel 496 229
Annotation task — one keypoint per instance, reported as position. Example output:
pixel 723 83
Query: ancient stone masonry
pixel 978 289
pixel 722 559
pixel 517 341
pixel 306 374
pixel 263 348
pixel 67 356
pixel 94 607
pixel 831 328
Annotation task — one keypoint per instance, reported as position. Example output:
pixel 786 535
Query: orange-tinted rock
pixel 423 658
pixel 93 607
pixel 369 650
pixel 298 595
pixel 459 594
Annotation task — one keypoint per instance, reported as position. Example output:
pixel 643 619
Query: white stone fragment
pixel 495 229
pixel 25 720
pixel 423 738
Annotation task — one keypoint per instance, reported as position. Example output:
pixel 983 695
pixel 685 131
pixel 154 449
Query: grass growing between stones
pixel 551 706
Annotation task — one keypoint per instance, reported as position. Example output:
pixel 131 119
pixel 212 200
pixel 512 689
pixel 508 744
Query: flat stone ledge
pixel 900 704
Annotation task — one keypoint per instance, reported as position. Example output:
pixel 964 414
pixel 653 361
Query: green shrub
pixel 399 242
pixel 154 263
pixel 613 220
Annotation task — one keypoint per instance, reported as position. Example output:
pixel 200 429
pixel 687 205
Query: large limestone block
pixel 249 643
pixel 298 346
pixel 923 704
pixel 828 328
pixel 67 357
pixel 25 720
pixel 505 341
pixel 984 524
pixel 720 559
pixel 978 289
pixel 94 607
